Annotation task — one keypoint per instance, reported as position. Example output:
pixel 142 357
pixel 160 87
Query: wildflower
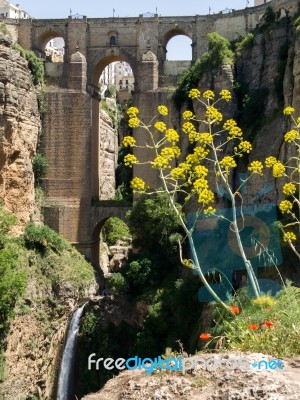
pixel 289 189
pixel 205 138
pixel 229 124
pixel 160 126
pixel 288 111
pixel 187 263
pixel 289 236
pixel 200 171
pixel 209 211
pixel 227 163
pixel 291 136
pixel 264 301
pixel 268 309
pixel 129 160
pixel 133 122
pixel 209 95
pixel 256 167
pixel 200 184
pixel 235 310
pixel 194 93
pixel 129 141
pixel 213 114
pixel 161 162
pixel 137 184
pixel 132 112
pixel 268 324
pixel 187 115
pixel 178 173
pixel 163 110
pixel 253 327
pixel 245 146
pixel 285 206
pixel 170 152
pixel 278 169
pixel 225 95
pixel 270 161
pixel 188 127
pixel 206 196
pixel 234 132
pixel 205 336
pixel 171 136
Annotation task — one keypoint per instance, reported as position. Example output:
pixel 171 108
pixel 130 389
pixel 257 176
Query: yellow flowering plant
pixel 290 172
pixel 191 175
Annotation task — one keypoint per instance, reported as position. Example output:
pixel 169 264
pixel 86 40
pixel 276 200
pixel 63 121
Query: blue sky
pixel 178 48
pixel 131 8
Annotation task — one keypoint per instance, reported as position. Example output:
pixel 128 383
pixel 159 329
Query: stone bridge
pixel 71 138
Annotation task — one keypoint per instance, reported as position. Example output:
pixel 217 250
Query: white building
pixel 55 50
pixel 259 2
pixel 8 10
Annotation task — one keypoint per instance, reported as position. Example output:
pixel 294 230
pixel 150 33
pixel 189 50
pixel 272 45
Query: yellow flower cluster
pixel 187 115
pixel 209 95
pixel 209 211
pixel 225 95
pixel 270 161
pixel 234 132
pixel 285 206
pixel 129 141
pixel 288 111
pixel 188 128
pixel 289 189
pixel 213 114
pixel 206 196
pixel 178 173
pixel 160 126
pixel 170 152
pixel 171 136
pixel 289 236
pixel 245 146
pixel 137 184
pixel 200 184
pixel 291 136
pixel 161 162
pixel 278 169
pixel 229 124
pixel 187 263
pixel 200 171
pixel 194 93
pixel 129 160
pixel 256 167
pixel 205 138
pixel 163 110
pixel 133 122
pixel 199 154
pixel 132 112
pixel 227 163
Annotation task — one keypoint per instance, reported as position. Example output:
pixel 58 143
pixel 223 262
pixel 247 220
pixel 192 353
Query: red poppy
pixel 268 324
pixel 235 310
pixel 254 327
pixel 205 336
pixel 268 309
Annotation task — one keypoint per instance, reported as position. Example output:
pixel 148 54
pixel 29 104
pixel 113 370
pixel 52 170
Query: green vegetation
pixel 115 229
pixel 41 237
pixel 219 52
pixel 39 165
pixel 245 43
pixel 3 28
pixel 35 65
pixel 268 325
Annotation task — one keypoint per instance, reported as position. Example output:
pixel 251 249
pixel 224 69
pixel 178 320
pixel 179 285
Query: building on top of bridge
pixel 8 10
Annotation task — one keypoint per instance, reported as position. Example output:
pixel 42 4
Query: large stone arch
pixel 42 38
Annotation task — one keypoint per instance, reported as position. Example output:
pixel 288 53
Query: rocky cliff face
pixel 19 128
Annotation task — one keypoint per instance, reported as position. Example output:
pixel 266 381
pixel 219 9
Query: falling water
pixel 67 363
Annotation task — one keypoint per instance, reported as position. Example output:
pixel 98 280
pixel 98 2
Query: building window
pixel 112 41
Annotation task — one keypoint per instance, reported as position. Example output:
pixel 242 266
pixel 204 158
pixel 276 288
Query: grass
pixel 269 325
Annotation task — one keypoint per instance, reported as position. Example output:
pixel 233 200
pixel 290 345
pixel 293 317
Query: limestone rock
pixel 19 128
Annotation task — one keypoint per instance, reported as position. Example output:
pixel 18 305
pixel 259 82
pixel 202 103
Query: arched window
pixel 112 41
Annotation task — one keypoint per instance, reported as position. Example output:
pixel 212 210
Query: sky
pixel 179 48
pixel 131 8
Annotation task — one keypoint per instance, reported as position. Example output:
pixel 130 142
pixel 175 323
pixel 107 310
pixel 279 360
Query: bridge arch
pixel 44 37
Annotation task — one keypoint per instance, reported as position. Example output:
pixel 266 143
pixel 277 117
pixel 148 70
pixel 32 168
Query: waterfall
pixel 64 391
